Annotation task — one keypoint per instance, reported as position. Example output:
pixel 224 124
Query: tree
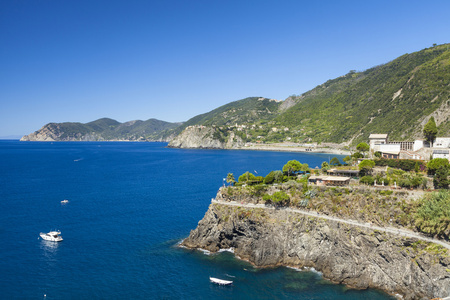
pixel 377 154
pixel 305 168
pixel 334 161
pixel 325 166
pixel 270 178
pixel 230 179
pixel 291 167
pixel 247 178
pixel 434 164
pixel 357 155
pixel 430 130
pixel 366 180
pixel 278 176
pixel 347 159
pixel 366 166
pixel 440 179
pixel 362 147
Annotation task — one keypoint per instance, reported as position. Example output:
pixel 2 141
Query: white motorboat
pixel 54 236
pixel 64 201
pixel 220 281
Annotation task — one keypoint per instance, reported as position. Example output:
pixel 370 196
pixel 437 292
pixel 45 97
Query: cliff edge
pixel 355 256
pixel 205 137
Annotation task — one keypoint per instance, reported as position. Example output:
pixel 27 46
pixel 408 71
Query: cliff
pixel 356 256
pixel 207 138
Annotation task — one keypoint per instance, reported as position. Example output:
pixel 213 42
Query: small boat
pixel 53 236
pixel 220 281
pixel 64 201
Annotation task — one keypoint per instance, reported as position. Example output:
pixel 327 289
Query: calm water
pixel 130 204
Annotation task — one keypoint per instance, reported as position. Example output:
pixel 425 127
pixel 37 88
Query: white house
pixel 389 150
pixel 441 154
pixel 442 142
pixel 375 140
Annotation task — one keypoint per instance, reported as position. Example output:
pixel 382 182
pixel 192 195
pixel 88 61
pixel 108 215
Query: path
pixel 392 230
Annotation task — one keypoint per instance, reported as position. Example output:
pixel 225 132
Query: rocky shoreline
pixel 357 257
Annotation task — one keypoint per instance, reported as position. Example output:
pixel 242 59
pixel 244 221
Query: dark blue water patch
pixel 129 205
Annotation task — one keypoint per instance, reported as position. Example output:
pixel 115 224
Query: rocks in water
pixel 358 257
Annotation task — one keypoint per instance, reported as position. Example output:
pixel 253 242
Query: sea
pixel 130 205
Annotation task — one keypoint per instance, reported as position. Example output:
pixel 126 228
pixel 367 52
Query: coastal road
pixel 392 230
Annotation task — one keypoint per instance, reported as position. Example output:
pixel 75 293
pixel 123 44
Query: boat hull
pixel 220 281
pixel 52 238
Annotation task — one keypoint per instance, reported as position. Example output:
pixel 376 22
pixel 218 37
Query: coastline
pixel 284 265
pixel 294 148
pixel 359 256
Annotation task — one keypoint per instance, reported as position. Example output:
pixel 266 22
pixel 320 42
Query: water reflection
pixel 49 249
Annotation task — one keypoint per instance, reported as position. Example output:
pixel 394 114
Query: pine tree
pixel 430 130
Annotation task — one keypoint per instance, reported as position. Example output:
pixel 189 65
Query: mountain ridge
pixel 396 98
pixel 104 129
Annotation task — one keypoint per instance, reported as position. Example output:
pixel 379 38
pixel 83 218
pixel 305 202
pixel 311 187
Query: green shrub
pixel 433 214
pixel 404 164
pixel 247 178
pixel 434 164
pixel 440 179
pixel 366 180
pixel 270 178
pixel 405 183
pixel 278 198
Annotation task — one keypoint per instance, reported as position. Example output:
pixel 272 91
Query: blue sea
pixel 130 204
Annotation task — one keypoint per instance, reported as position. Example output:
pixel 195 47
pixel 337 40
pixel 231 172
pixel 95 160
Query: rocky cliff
pixel 207 138
pixel 358 257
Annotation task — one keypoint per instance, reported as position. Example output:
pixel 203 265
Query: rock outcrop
pixel 205 137
pixel 358 257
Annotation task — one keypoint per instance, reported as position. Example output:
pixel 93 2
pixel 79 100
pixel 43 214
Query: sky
pixel 78 61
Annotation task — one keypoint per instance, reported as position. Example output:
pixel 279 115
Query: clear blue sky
pixel 77 61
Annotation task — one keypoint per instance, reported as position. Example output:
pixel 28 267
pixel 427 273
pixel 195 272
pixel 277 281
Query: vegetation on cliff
pixel 360 257
pixel 104 129
pixel 418 210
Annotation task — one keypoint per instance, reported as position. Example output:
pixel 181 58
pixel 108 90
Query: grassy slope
pixel 362 103
pixel 246 111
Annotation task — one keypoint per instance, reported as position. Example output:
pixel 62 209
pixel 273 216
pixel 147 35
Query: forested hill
pixel 104 129
pixel 395 98
pixel 251 110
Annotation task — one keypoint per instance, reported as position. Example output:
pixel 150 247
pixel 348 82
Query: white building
pixel 441 154
pixel 375 140
pixel 442 142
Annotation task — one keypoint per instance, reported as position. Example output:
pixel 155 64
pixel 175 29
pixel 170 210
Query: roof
pixel 391 152
pixel 378 136
pixel 440 151
pixel 330 178
pixel 343 171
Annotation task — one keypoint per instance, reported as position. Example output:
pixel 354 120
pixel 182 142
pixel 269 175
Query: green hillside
pixel 246 111
pixel 395 98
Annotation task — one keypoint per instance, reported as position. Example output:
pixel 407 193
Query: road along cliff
pixel 357 256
